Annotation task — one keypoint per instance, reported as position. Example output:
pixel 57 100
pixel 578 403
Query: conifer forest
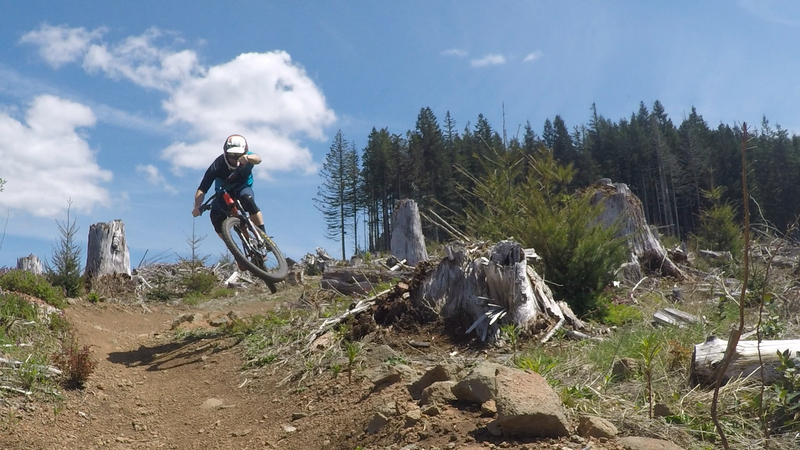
pixel 678 170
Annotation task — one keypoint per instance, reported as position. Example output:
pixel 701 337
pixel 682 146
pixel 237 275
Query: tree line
pixel 676 171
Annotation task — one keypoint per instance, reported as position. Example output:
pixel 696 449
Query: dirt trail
pixel 148 392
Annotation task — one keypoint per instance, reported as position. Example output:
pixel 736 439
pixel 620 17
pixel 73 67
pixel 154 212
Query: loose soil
pixel 151 391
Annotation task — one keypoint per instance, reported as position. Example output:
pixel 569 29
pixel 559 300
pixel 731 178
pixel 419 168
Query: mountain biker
pixel 235 158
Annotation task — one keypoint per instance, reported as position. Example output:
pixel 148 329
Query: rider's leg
pixel 249 203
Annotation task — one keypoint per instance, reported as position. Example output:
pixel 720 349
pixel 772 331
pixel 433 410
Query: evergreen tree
pixel 334 197
pixel 64 268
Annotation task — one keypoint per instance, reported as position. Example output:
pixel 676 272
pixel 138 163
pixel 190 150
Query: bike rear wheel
pixel 267 262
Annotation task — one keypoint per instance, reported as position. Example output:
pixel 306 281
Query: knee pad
pixel 249 204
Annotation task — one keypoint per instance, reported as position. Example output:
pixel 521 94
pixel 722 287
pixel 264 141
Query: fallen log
pixel 674 317
pixel 707 356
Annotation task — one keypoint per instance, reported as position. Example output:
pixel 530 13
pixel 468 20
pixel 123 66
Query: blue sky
pixel 120 106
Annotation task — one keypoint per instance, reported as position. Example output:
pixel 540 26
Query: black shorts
pixel 219 210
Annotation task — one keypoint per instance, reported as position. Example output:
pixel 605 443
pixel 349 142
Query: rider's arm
pixel 251 158
pixel 198 200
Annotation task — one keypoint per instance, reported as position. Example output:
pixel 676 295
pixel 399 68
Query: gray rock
pixel 479 385
pixel 377 423
pixel 438 373
pixel 412 417
pixel 593 426
pixel 527 406
pixel 643 443
pixel 439 393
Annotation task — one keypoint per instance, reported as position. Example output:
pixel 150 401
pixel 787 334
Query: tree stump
pixel 107 252
pixel 30 263
pixel 408 243
pixel 620 205
pixel 482 294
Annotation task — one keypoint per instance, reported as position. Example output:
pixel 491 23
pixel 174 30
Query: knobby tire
pixel 235 244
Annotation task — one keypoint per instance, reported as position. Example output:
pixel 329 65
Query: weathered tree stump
pixel 408 243
pixel 30 263
pixel 484 293
pixel 107 252
pixel 707 356
pixel 620 205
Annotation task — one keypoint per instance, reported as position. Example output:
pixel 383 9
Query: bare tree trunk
pixel 107 252
pixel 30 263
pixel 407 240
pixel 622 206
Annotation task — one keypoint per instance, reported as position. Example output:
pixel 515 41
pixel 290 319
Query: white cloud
pixel 139 60
pixel 455 52
pixel 488 60
pixel 532 56
pixel 154 177
pixel 59 44
pixel 263 96
pixel 46 161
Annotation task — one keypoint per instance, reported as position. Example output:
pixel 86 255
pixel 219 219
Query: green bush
pixel 199 282
pixel 718 228
pixel 531 203
pixel 36 285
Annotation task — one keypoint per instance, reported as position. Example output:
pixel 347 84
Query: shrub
pixel 531 203
pixel 199 282
pixel 75 362
pixel 718 228
pixel 36 285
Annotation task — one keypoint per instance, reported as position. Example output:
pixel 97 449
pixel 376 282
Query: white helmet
pixel 235 146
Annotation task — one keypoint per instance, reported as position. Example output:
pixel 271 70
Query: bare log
pixel 107 252
pixel 407 240
pixel 30 263
pixel 707 356
pixel 620 205
pixel 674 317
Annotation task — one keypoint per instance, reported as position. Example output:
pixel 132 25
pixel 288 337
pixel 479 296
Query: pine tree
pixel 334 197
pixel 64 268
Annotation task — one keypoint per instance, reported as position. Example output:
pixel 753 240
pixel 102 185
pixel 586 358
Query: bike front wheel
pixel 263 260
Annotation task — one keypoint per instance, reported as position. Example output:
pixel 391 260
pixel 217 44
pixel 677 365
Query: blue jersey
pixel 218 173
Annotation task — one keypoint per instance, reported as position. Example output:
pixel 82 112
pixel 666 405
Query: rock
pixel 383 375
pixel 219 321
pixel 377 423
pixel 593 426
pixel 438 373
pixel 387 409
pixel 212 403
pixel 439 393
pixel 478 386
pixel 488 408
pixel 624 369
pixel 432 410
pixel 298 416
pixel 413 417
pixel 643 443
pixel 527 406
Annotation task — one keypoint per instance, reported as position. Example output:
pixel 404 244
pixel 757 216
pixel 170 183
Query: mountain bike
pixel 252 249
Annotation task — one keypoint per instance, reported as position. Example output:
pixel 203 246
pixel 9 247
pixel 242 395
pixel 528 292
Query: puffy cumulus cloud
pixel 154 177
pixel 140 60
pixel 263 96
pixel 60 44
pixel 47 162
pixel 488 60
